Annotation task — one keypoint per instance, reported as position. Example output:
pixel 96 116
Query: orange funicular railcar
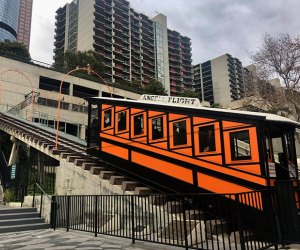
pixel 183 148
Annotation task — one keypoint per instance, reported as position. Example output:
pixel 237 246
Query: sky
pixel 215 27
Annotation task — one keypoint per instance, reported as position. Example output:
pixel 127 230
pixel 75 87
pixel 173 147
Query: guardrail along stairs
pixel 20 219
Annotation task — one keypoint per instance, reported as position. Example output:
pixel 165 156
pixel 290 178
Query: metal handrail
pixel 54 205
pixel 48 196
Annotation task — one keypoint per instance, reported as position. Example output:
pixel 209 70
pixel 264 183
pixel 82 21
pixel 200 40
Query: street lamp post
pixel 85 69
pixel 32 91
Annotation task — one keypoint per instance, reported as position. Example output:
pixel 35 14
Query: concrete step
pixel 87 165
pixel 106 174
pixel 130 185
pixel 174 207
pixel 117 180
pixel 18 216
pixel 215 227
pixel 195 215
pixel 17 228
pixel 20 210
pixel 78 162
pixel 142 191
pixel 23 221
pixel 96 170
pixel 72 158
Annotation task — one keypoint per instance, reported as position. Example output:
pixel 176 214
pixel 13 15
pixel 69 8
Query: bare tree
pixel 278 57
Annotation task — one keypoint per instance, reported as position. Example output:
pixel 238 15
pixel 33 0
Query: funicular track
pixel 73 151
pixel 184 221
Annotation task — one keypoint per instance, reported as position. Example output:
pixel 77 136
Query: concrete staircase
pixel 20 219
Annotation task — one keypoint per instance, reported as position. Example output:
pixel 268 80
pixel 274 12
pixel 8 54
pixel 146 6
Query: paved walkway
pixel 60 239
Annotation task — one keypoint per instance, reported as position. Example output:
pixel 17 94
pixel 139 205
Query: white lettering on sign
pixel 171 100
pixel 13 171
pixel 272 169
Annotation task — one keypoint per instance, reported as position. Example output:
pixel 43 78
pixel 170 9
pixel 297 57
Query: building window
pixel 179 133
pixel 138 124
pixel 122 121
pixel 157 128
pixel 240 145
pixel 207 138
pixel 107 118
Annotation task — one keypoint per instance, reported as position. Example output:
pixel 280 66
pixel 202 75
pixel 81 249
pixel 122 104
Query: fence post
pixel 184 225
pixel 41 204
pixel 52 212
pixel 239 222
pixel 132 219
pixel 33 196
pixel 55 212
pixel 68 212
pixel 96 215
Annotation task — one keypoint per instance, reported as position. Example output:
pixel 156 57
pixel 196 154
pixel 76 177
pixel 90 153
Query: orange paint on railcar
pixel 200 120
pixel 117 151
pixel 209 183
pixel 163 167
pixel 198 162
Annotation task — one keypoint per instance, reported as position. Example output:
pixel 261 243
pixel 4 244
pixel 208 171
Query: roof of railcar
pixel 253 115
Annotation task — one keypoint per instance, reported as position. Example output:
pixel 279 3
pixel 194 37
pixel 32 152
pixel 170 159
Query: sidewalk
pixel 60 239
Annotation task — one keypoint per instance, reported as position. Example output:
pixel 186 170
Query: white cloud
pixel 42 29
pixel 215 27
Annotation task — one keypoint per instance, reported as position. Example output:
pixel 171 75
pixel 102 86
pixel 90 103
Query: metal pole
pixel 185 225
pixel 33 197
pixel 132 219
pixel 68 213
pixel 41 205
pixel 96 216
pixel 239 221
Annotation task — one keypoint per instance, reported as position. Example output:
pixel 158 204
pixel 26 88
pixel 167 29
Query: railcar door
pixel 283 174
pixel 281 154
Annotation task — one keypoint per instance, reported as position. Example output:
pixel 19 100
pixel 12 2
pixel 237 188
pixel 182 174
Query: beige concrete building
pixel 16 91
pixel 220 80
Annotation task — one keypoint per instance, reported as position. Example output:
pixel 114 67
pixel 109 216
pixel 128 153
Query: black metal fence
pixel 202 221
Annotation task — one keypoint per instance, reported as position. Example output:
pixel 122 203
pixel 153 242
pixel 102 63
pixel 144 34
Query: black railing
pixel 201 221
pixel 44 175
pixel 4 171
pixel 38 201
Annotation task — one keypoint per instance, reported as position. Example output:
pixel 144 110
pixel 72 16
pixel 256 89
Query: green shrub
pixel 9 195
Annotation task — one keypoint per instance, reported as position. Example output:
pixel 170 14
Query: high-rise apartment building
pixel 220 80
pixel 9 16
pixel 180 62
pixel 133 46
pixel 24 24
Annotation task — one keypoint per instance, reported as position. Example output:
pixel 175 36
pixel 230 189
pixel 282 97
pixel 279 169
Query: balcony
pixel 104 2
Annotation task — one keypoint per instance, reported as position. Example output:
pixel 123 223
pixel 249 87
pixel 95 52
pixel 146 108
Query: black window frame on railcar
pixel 157 128
pixel 93 127
pixel 122 119
pixel 207 140
pixel 134 133
pixel 188 134
pixel 234 147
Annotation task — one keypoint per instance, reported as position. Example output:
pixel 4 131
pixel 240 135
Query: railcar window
pixel 157 128
pixel 107 118
pixel 138 124
pixel 122 121
pixel 94 127
pixel 240 145
pixel 179 133
pixel 207 138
